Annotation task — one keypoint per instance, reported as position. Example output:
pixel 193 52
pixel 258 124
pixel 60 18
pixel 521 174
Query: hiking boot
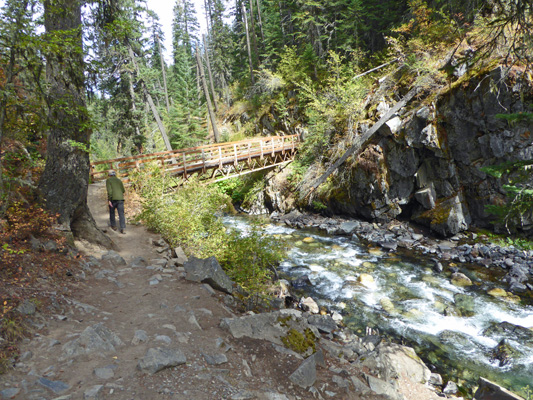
pixel 123 231
pixel 114 228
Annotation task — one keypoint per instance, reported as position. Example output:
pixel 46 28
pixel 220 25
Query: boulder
pixel 488 390
pixel 157 359
pixel 366 280
pixel 383 388
pixel 208 271
pixel 393 360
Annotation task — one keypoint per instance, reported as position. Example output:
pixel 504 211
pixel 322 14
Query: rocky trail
pixel 135 328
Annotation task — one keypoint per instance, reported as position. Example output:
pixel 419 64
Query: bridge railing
pixel 191 160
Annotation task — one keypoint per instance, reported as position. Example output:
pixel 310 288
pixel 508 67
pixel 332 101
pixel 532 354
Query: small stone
pixel 216 359
pixel 308 304
pixel 157 359
pixel 451 388
pixel 163 338
pixel 308 240
pixel 25 356
pixel 9 393
pixel 93 393
pixel 435 380
pixel 57 387
pixel 105 372
pixel 140 336
pixel 26 307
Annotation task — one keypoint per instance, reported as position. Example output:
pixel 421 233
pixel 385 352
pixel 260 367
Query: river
pixel 455 329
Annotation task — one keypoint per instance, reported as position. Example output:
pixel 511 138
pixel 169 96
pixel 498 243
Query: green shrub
pixel 190 217
pixel 251 260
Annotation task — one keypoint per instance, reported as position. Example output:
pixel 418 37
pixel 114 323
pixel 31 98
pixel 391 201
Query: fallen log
pixel 360 141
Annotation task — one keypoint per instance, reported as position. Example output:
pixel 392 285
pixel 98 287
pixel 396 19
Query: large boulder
pixel 394 360
pixel 208 271
pixel 94 339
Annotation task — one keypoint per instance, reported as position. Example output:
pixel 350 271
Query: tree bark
pixel 164 74
pixel 260 23
pixel 208 62
pixel 360 141
pixel 206 93
pixel 150 102
pixel 245 20
pixel 65 180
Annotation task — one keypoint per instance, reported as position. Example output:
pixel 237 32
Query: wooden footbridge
pixel 215 162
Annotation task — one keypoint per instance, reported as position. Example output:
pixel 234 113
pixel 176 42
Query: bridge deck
pixel 220 159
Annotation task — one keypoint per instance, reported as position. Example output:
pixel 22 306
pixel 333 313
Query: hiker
pixel 115 200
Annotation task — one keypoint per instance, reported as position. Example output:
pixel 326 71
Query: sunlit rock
pixel 388 306
pixel 497 292
pixel 308 240
pixel 461 280
pixel 368 265
pixel 375 252
pixel 366 280
pixel 413 314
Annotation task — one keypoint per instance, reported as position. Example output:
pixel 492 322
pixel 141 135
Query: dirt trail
pixel 142 306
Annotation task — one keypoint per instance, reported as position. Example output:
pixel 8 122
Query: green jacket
pixel 115 188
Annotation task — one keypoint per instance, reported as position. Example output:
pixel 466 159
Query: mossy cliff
pixel 425 163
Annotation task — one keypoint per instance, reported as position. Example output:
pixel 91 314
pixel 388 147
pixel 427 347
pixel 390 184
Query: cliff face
pixel 425 163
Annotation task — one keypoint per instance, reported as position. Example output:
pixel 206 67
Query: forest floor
pixel 62 361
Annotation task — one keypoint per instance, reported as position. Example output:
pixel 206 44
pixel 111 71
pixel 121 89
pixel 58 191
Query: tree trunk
pixel 206 93
pixel 208 62
pixel 252 28
pixel 245 20
pixel 133 106
pixel 260 22
pixel 150 102
pixel 164 74
pixel 65 180
pixel 360 141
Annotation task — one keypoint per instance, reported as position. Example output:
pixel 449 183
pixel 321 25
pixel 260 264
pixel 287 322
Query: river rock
pixel 157 359
pixel 308 304
pixel 348 228
pixel 208 271
pixel 488 390
pixel 465 304
pixel 308 240
pixel 503 353
pixel 460 279
pixel 366 280
pixel 388 306
pixel 497 292
pixel 450 388
pixel 510 331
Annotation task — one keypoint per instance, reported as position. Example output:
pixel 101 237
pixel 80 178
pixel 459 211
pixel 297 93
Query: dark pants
pixel 117 205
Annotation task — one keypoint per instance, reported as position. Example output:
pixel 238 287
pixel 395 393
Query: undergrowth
pixel 190 216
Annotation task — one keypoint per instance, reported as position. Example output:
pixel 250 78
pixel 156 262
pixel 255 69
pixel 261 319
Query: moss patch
pixel 300 342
